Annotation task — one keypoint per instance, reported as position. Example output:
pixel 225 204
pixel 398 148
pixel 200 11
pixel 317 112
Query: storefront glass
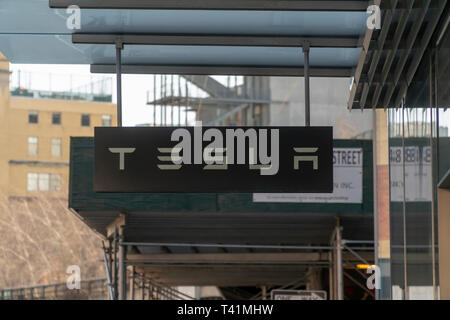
pixel 419 157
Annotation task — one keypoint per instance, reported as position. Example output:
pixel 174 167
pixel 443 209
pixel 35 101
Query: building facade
pixel 35 137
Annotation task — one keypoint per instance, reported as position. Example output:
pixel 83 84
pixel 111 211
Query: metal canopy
pixel 223 70
pixel 288 5
pixel 391 56
pixel 255 38
pixel 217 40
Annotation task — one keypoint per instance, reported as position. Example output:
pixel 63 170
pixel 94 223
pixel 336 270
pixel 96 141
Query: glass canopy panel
pixel 60 49
pixel 31 32
pixel 35 16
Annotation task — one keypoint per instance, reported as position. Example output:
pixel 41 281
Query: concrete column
pixel 381 202
pixel 444 242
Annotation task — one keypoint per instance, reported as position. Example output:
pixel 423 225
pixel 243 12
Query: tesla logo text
pixel 223 150
pixel 121 152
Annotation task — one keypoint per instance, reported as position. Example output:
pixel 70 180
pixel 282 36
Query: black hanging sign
pixel 214 159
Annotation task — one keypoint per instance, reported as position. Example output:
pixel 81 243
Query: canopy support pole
pixel 119 47
pixel 305 48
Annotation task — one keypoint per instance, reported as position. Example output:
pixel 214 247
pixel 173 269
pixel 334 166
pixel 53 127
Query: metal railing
pixel 63 87
pixel 90 289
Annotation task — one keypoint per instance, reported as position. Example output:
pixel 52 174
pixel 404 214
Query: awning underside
pixel 32 32
pixel 393 54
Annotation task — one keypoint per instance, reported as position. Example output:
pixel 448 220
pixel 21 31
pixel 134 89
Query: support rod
pixel 330 275
pixel 122 270
pixel 119 47
pixel 306 46
pixel 115 264
pixel 154 97
pixel 108 273
pixel 339 269
pixel 132 280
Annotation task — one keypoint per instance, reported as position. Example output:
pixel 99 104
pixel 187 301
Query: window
pixel 56 147
pixel 56 118
pixel 33 146
pixel 43 182
pixel 33 117
pixel 85 120
pixel 32 183
pixel 106 120
pixel 55 182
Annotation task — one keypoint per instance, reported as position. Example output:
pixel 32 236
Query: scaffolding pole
pixel 108 273
pixel 338 264
pixel 122 269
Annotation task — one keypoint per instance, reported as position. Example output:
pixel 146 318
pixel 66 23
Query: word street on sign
pixel 213 159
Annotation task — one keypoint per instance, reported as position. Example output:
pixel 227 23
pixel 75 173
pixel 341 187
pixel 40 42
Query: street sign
pixel 298 295
pixel 213 159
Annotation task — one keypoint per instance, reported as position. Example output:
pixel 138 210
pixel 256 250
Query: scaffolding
pixel 229 100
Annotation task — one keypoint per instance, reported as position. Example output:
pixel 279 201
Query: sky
pixel 134 87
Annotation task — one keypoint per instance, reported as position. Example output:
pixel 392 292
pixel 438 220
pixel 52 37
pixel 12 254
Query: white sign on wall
pixel 347 182
pixel 417 173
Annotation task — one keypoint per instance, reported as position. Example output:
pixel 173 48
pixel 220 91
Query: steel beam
pixel 216 102
pixel 361 62
pixel 216 40
pixel 401 25
pixel 265 5
pixel 412 35
pixel 417 58
pixel 224 70
pixel 386 24
pixel 228 258
pixel 222 245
